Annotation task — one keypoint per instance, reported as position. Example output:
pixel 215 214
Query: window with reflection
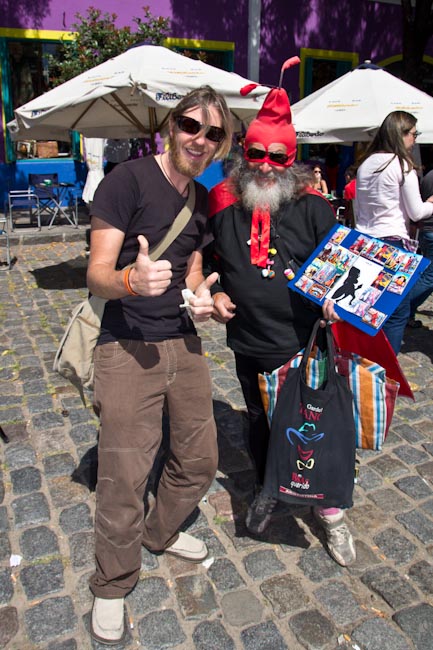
pixel 29 78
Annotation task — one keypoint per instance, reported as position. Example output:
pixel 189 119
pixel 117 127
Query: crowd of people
pixel 233 256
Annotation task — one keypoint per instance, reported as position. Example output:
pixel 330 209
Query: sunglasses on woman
pixel 192 127
pixel 271 157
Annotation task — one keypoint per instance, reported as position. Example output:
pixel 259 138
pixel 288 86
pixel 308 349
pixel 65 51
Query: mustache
pixel 259 174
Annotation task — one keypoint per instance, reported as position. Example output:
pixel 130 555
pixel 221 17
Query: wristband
pixel 126 282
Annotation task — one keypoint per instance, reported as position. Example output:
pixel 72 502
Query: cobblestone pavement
pixel 278 592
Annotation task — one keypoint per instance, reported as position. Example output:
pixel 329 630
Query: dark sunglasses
pixel 271 157
pixel 192 127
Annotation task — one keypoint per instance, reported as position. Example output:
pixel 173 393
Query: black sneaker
pixel 259 513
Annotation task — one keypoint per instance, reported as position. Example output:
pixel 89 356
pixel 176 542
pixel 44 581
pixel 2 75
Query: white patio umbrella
pixel 351 108
pixel 128 96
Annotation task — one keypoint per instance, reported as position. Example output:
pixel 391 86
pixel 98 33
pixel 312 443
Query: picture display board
pixel 366 277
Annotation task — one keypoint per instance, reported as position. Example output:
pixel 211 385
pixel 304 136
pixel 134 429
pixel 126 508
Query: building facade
pixel 250 37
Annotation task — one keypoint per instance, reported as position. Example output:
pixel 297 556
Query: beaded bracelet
pixel 126 282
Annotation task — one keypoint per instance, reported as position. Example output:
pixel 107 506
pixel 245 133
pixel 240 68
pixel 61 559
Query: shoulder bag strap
pixel 177 226
pixel 181 220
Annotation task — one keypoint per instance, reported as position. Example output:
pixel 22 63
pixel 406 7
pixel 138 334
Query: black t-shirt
pixel 271 320
pixel 137 199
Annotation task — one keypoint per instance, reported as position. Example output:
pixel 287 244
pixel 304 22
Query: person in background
pixel 388 199
pixel 319 182
pixel 148 355
pixel 267 324
pixel 423 288
pixel 349 194
pixel 349 191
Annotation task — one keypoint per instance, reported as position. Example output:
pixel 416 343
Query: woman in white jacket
pixel 388 198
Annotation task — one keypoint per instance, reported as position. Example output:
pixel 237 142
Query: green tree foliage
pixel 97 39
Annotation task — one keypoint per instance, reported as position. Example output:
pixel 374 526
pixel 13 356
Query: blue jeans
pixel 424 286
pixel 395 325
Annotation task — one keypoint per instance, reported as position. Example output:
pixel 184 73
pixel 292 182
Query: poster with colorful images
pixel 366 277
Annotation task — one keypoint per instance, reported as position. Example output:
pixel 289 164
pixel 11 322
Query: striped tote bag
pixel 374 394
pixel 270 383
pixel 374 397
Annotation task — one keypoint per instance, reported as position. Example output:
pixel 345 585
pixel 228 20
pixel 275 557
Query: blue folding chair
pixel 23 200
pixel 43 185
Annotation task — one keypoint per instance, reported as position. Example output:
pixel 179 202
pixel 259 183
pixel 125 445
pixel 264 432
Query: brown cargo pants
pixel 132 381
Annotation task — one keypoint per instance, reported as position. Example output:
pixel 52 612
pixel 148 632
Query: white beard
pixel 272 195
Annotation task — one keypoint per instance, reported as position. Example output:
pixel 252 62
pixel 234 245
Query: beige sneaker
pixel 188 548
pixel 108 620
pixel 339 540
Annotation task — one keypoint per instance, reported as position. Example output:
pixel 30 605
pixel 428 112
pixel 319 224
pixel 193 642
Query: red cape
pixel 375 348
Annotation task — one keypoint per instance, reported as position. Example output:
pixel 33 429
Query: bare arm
pixel 194 273
pixel 147 278
pixel 102 278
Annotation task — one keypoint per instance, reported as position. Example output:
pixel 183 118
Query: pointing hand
pixel 201 302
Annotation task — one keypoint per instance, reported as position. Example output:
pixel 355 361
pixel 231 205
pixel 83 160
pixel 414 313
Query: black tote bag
pixel 311 455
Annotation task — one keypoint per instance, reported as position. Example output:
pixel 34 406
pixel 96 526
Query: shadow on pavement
pixel 66 275
pixel 87 471
pixel 420 339
pixel 239 482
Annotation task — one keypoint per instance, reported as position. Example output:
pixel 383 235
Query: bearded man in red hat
pixel 266 222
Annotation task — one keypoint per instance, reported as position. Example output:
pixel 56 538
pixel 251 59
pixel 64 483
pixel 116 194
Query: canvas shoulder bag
pixel 74 356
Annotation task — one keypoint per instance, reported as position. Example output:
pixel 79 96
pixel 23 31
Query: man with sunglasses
pixel 266 221
pixel 148 356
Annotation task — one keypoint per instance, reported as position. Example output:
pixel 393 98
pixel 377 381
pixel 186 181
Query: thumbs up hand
pixel 201 302
pixel 149 278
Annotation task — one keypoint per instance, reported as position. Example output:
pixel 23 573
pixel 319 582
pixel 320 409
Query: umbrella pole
pixel 152 123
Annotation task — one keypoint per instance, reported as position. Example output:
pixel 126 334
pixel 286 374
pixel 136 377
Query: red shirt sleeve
pixel 350 190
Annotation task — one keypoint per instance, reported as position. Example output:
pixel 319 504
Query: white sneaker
pixel 188 548
pixel 339 539
pixel 108 620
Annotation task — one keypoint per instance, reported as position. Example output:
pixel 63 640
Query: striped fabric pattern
pixel 270 383
pixel 374 394
pixel 374 397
